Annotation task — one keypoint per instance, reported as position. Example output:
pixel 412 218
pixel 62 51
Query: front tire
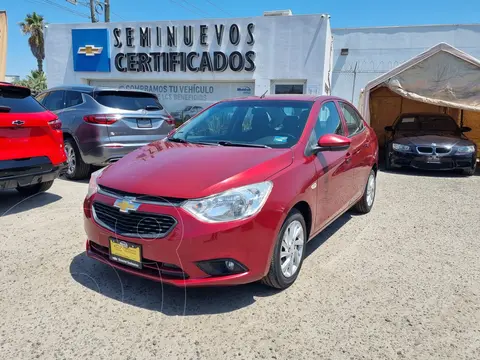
pixel 365 204
pixel 289 252
pixel 388 161
pixel 471 171
pixel 76 168
pixel 35 189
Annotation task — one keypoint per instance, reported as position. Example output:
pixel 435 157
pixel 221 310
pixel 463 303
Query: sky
pixel 346 13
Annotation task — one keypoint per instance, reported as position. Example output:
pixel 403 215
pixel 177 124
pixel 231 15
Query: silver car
pixel 101 125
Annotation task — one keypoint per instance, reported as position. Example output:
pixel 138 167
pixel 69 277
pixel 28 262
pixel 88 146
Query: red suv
pixel 234 194
pixel 31 142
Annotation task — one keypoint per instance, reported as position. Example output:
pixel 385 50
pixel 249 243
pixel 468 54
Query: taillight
pixel 104 119
pixel 170 120
pixel 55 124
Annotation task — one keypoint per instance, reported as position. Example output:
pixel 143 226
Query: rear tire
pixel 77 169
pixel 35 189
pixel 365 204
pixel 291 246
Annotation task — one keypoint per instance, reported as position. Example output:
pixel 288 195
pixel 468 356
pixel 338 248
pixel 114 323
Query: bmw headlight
pixel 465 149
pixel 400 147
pixel 234 204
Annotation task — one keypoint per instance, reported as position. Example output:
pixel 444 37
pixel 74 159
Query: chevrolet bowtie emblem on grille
pixel 18 122
pixel 126 205
pixel 90 50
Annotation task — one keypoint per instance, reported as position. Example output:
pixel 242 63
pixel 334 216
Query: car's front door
pixel 334 172
pixel 359 149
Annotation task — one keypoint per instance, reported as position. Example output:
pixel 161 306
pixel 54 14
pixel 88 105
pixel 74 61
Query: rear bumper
pixel 105 154
pixel 18 173
pixel 449 162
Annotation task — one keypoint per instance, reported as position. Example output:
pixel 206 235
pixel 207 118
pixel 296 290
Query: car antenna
pixel 263 95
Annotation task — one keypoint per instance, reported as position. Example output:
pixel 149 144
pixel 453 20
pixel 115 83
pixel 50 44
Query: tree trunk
pixel 40 65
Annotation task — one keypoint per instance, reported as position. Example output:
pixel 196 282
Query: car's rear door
pixel 360 147
pixel 26 127
pixel 135 117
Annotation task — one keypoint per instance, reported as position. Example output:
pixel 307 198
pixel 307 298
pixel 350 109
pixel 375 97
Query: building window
pixel 289 89
pixel 344 51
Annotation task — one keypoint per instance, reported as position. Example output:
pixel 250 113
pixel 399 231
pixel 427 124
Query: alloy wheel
pixel 71 159
pixel 371 189
pixel 292 248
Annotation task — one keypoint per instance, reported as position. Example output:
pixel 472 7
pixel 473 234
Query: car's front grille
pixel 133 224
pixel 143 198
pixel 425 149
pixel 149 267
pixel 442 150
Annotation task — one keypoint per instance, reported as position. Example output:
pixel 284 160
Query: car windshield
pixel 427 123
pixel 262 123
pixel 187 108
pixel 128 100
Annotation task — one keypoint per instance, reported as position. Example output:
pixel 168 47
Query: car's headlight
pixel 400 147
pixel 235 204
pixel 466 149
pixel 92 185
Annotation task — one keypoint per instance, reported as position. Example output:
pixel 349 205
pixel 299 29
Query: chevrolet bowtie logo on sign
pixel 90 50
pixel 126 205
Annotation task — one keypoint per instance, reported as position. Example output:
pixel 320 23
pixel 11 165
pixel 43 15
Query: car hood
pixel 191 171
pixel 445 139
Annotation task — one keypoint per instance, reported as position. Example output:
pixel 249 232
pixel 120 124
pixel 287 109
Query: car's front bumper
pixel 174 258
pixel 425 162
pixel 20 173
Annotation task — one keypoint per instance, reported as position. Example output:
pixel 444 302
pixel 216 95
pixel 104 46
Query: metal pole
pixel 92 11
pixel 354 80
pixel 107 11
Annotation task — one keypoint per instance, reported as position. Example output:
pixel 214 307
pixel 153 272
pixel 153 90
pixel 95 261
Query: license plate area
pixel 125 253
pixel 433 160
pixel 144 123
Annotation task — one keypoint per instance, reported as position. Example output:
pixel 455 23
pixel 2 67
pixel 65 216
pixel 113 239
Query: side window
pixel 353 120
pixel 73 98
pixel 41 98
pixel 328 121
pixel 54 101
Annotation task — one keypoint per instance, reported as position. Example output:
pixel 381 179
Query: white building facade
pixel 363 54
pixel 197 62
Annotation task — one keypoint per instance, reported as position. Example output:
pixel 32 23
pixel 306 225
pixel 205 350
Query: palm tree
pixel 35 81
pixel 33 26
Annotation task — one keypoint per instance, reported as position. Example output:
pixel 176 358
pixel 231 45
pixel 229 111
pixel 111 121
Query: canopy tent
pixel 441 76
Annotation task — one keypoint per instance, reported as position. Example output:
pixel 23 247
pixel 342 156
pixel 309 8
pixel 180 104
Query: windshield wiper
pixel 182 141
pixel 5 109
pixel 229 143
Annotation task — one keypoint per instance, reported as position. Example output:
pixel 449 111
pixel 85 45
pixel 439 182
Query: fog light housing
pixel 221 267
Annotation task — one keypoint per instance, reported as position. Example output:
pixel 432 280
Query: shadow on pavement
pixel 174 301
pixel 11 202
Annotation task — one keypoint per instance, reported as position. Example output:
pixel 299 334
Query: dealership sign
pixel 91 50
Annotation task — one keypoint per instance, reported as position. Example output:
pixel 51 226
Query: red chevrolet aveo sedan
pixel 234 194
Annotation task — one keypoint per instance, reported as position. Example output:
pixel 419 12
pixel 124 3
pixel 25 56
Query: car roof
pixel 90 88
pixel 289 97
pixel 423 114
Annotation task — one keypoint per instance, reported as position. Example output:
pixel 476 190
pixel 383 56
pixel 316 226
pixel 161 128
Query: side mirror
pixel 332 142
pixel 465 129
pixel 389 128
